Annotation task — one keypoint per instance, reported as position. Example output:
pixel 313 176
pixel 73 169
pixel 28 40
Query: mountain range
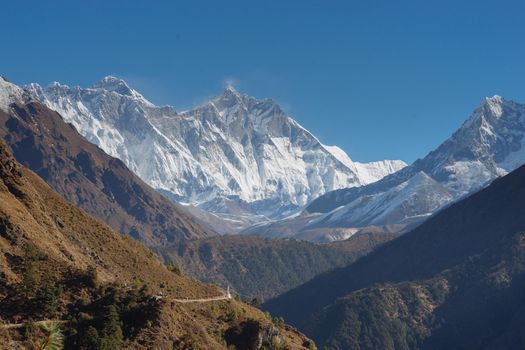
pixel 236 156
pixel 450 276
pixel 240 164
pixel 488 145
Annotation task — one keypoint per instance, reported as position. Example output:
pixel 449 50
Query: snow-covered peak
pixel 489 144
pixel 9 93
pixel 340 155
pixel 231 89
pixel 494 99
pixel 229 98
pixel 375 171
pixel 490 109
pixel 111 83
pixel 240 111
pixel 119 86
pixel 494 106
pixel 366 172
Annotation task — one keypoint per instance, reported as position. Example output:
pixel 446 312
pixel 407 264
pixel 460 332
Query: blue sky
pixel 380 79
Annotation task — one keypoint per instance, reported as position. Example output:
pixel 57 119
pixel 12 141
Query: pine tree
pixel 47 299
pixel 112 337
pixel 92 277
pixel 31 277
pixel 90 340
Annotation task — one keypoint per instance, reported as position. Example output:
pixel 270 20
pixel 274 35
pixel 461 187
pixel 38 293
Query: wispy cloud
pixel 231 82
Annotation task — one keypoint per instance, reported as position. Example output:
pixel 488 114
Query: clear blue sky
pixel 381 79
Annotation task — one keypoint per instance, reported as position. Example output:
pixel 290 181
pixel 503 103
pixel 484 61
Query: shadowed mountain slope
pixel 262 267
pixel 456 281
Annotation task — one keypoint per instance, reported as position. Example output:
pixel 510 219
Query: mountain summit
pixel 488 145
pixel 234 155
pixel 119 86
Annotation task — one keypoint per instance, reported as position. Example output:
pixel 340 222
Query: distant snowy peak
pixel 268 118
pixel 110 87
pixel 494 105
pixel 231 109
pixel 229 97
pixel 375 171
pixel 367 172
pixel 489 112
pixel 489 144
pixel 10 93
pixel 119 86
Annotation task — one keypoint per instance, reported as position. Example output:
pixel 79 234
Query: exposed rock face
pixel 251 335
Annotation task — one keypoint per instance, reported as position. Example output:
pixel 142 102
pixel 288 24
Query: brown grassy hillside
pixel 59 263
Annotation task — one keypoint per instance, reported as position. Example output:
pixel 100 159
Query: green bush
pixel 47 299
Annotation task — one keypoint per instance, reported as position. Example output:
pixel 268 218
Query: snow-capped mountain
pixel 488 145
pixel 10 93
pixel 234 154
